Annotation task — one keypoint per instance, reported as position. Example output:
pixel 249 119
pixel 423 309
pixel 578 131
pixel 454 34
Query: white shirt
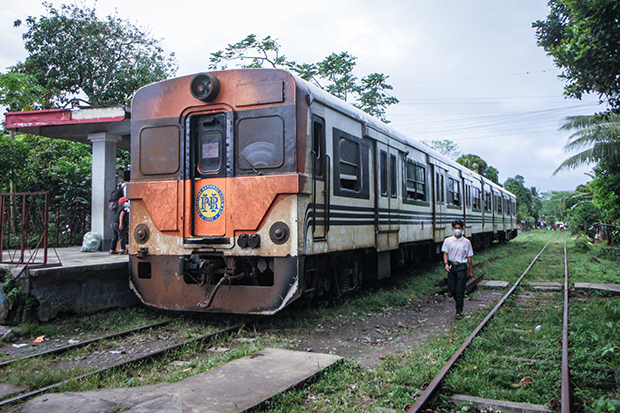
pixel 458 249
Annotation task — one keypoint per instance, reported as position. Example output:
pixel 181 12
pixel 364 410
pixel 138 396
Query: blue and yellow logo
pixel 210 203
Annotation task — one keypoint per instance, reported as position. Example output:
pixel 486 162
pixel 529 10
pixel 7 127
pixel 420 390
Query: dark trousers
pixel 457 281
pixel 119 234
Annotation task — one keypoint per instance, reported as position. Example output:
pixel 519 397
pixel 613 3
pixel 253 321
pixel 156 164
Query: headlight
pixel 205 87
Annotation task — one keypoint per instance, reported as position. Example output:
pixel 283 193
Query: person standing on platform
pixel 120 226
pixel 457 253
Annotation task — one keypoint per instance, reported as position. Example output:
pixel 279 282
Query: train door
pixel 386 227
pixel 210 160
pixel 439 202
pixel 320 181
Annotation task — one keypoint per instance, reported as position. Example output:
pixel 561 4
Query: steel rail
pixel 123 363
pixel 566 399
pixel 432 387
pixel 62 349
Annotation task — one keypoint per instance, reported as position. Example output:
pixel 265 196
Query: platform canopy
pixel 105 128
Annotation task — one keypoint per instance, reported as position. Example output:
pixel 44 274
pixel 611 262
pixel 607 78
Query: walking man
pixel 457 253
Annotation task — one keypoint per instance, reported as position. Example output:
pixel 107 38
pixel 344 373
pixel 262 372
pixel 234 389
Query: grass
pixel 485 370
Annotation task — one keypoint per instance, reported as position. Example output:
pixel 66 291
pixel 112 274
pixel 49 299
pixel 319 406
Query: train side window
pixel 351 156
pixel 498 204
pixel 318 145
pixel 393 177
pixel 454 191
pixel 487 201
pixel 439 188
pixel 468 196
pixel 260 142
pixel 384 172
pixel 415 181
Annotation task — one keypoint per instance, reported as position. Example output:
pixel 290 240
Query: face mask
pixel 458 232
pixel 126 204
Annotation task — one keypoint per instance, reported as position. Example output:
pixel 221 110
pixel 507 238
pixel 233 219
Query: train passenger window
pixel 415 185
pixel 260 142
pixel 384 172
pixel 498 203
pixel 476 199
pixel 393 175
pixel 488 201
pixel 468 196
pixel 454 192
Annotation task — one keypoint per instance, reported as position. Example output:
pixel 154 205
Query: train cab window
pixel 260 143
pixel 498 203
pixel 159 150
pixel 415 183
pixel 439 188
pixel 454 192
pixel 393 177
pixel 476 199
pixel 508 207
pixel 383 170
pixel 488 201
pixel 468 196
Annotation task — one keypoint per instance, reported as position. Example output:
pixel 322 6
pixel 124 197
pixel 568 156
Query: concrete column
pixel 104 182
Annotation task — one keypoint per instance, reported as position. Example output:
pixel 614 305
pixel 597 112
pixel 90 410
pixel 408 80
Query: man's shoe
pixel 458 316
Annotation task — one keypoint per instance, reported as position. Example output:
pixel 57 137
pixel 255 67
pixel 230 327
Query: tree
pixel 74 54
pixel 606 189
pixel 583 37
pixel 335 73
pixel 598 133
pixel 19 92
pixel 479 165
pixel 445 147
pixel 529 204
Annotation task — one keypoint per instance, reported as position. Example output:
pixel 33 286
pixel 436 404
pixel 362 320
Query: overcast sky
pixel 468 71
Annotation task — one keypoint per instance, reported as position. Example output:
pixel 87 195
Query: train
pixel 251 188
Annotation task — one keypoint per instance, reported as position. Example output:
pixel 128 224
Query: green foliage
pixel 19 92
pixel 529 204
pixel 479 165
pixel 333 74
pixel 598 133
pixel 612 254
pixel 582 36
pixel 35 164
pixel 606 189
pixel 446 147
pixel 72 51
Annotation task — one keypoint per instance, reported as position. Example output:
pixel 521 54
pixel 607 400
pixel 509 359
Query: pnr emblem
pixel 210 203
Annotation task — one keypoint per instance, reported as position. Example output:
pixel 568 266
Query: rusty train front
pixel 214 187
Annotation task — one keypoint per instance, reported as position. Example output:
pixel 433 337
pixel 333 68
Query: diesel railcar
pixel 250 188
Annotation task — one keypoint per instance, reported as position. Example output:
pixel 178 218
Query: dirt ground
pixel 374 336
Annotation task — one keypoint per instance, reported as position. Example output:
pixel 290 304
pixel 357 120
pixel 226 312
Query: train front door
pixel 209 153
pixel 320 181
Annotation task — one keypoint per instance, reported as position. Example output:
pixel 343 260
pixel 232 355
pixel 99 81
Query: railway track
pixel 157 352
pixel 430 393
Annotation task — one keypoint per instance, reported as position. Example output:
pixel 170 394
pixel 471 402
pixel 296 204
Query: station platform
pixel 73 282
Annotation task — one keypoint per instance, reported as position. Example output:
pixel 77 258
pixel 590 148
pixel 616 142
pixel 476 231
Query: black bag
pixel 114 197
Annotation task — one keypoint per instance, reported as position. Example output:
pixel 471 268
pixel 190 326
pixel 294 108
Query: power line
pixel 477 77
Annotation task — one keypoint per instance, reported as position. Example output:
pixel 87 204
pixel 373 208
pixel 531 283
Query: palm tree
pixel 600 133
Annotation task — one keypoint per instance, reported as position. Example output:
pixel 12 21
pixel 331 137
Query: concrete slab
pixel 502 405
pixel 233 387
pixel 494 284
pixel 546 286
pixel 604 287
